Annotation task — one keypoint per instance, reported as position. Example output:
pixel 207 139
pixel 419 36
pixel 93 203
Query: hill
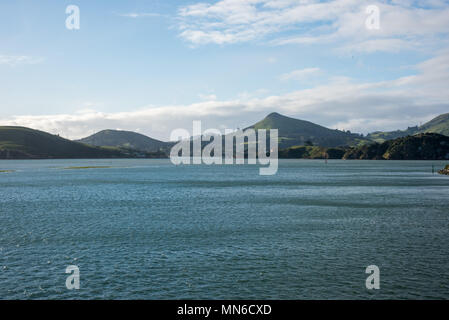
pixel 26 143
pixel 125 139
pixel 295 132
pixel 438 125
pixel 423 146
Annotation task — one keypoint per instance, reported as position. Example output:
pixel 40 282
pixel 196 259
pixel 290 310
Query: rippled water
pixel 145 229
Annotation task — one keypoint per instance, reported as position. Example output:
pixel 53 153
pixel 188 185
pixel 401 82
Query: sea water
pixel 147 229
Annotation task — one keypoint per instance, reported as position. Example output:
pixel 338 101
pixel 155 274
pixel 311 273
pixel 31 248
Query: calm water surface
pixel 145 229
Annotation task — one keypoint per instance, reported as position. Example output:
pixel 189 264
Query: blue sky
pixel 152 66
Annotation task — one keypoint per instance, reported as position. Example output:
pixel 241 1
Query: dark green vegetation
pixel 445 170
pixel 305 140
pixel 294 132
pixel 439 125
pixel 127 140
pixel 25 143
pixel 311 152
pixel 423 146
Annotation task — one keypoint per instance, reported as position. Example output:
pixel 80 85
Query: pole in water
pixel 433 169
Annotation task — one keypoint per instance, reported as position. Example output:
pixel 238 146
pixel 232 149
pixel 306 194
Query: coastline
pixel 444 171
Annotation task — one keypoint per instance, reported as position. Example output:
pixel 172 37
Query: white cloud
pixel 341 103
pixel 386 45
pixel 403 24
pixel 18 60
pixel 207 97
pixel 140 14
pixel 301 75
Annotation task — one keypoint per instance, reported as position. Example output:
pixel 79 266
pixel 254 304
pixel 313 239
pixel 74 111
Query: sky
pixel 154 66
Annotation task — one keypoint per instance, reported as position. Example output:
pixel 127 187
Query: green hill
pixel 294 132
pixel 423 146
pixel 125 139
pixel 438 125
pixel 26 143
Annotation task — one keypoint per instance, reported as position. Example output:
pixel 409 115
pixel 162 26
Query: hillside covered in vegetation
pixel 26 143
pixel 423 146
pixel 295 132
pixel 126 139
pixel 438 125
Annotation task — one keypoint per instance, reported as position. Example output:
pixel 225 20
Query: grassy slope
pixel 294 132
pixel 125 139
pixel 26 143
pixel 438 125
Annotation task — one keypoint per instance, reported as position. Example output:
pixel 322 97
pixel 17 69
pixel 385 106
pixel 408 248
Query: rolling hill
pixel 422 146
pixel 295 132
pixel 438 125
pixel 297 139
pixel 125 139
pixel 26 143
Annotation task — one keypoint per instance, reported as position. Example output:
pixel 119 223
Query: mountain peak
pixel 297 132
pixel 274 115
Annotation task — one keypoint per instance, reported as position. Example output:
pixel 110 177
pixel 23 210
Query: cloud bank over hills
pixel 341 102
pixel 334 93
